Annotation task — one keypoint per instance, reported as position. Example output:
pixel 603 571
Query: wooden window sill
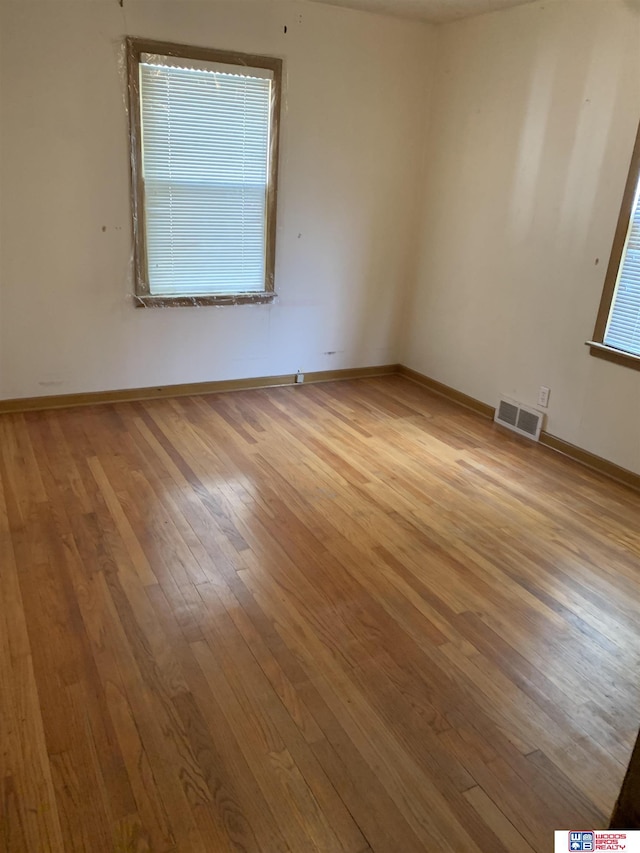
pixel 617 356
pixel 191 301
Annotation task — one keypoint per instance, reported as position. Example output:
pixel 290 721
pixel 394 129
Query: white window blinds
pixel 623 328
pixel 205 167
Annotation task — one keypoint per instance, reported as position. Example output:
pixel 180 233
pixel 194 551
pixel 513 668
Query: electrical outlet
pixel 543 396
pixel 299 378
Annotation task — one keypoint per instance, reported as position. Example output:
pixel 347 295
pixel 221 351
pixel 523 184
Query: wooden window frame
pixel 597 347
pixel 143 298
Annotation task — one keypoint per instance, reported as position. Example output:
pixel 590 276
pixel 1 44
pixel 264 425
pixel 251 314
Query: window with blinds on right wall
pixel 617 332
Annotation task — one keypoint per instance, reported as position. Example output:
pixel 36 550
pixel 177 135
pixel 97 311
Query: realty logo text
pixel 590 841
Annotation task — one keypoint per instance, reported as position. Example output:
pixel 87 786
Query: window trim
pixel 143 298
pixel 597 347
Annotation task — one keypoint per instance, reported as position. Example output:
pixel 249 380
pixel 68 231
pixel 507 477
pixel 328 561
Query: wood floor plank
pixel 241 808
pixel 493 817
pixel 349 617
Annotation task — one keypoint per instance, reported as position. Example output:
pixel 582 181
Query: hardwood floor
pixel 344 617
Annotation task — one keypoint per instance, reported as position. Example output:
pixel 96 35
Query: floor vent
pixel 519 418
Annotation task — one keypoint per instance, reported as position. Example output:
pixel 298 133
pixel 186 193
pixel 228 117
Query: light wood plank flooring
pixel 345 617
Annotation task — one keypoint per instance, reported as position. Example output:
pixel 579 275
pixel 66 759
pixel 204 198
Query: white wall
pixel 353 121
pixel 533 119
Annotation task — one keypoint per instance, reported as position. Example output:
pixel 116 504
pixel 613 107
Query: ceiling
pixel 435 11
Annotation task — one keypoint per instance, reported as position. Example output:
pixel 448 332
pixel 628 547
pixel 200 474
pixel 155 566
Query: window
pixel 617 333
pixel 204 155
